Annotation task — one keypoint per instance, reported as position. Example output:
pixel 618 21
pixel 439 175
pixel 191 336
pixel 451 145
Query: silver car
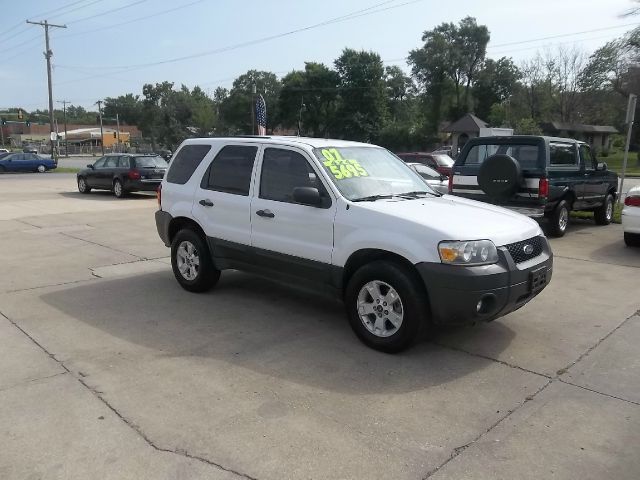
pixel 437 181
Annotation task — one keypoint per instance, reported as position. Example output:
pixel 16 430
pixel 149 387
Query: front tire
pixel 191 262
pixel 41 169
pixel 604 214
pixel 118 189
pixel 386 306
pixel 559 219
pixel 632 239
pixel 82 185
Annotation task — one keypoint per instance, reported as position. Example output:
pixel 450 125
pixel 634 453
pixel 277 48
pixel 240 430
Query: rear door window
pixel 562 155
pixel 186 162
pixel 230 171
pixel 587 158
pixel 526 155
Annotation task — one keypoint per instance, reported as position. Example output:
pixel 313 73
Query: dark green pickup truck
pixel 536 176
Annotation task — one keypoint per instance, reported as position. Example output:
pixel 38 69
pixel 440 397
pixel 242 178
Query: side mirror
pixel 307 196
pixel 90 166
pixel 603 166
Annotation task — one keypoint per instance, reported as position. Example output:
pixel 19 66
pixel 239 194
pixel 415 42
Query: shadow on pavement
pixel 272 329
pixel 106 195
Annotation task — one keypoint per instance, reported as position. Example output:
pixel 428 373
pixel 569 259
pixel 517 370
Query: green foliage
pixel 363 110
pixel 527 126
pixel 495 83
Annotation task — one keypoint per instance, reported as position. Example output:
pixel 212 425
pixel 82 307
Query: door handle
pixel 265 213
pixel 206 203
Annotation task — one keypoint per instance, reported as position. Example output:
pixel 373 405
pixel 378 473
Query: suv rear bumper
pixel 456 292
pixel 163 219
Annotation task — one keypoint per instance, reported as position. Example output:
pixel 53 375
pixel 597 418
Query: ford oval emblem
pixel 528 249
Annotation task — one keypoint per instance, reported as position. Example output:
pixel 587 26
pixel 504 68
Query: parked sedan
pixel 438 161
pixel 123 173
pixel 25 162
pixel 437 181
pixel 631 218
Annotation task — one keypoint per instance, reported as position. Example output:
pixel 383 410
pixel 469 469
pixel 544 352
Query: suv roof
pixel 281 140
pixel 516 138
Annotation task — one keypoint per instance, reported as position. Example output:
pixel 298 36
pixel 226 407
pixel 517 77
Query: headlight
pixel 472 252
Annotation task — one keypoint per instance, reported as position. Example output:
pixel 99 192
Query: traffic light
pixel 115 135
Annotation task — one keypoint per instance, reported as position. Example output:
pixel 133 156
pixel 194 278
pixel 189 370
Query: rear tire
pixel 386 305
pixel 604 214
pixel 82 185
pixel 191 262
pixel 559 219
pixel 118 189
pixel 632 239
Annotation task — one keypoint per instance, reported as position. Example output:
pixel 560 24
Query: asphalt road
pixel 111 371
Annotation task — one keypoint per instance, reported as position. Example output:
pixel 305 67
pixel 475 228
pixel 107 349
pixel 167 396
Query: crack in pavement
pixel 594 261
pixel 48 285
pixel 101 245
pixel 31 380
pixel 459 450
pixel 599 393
pixel 129 423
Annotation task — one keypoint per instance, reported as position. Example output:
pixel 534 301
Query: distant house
pixel 598 136
pixel 464 129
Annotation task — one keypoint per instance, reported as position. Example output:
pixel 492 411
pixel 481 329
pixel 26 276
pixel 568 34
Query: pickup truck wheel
pixel 604 214
pixel 191 262
pixel 559 219
pixel 386 306
pixel 632 239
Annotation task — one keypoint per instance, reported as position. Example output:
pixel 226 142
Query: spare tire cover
pixel 500 176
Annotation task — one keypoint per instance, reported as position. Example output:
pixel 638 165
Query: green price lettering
pixel 340 167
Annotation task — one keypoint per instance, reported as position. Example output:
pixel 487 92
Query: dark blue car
pixel 25 162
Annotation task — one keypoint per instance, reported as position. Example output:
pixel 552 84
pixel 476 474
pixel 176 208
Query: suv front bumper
pixel 461 295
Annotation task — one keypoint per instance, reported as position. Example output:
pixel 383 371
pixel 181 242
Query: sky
pixel 113 47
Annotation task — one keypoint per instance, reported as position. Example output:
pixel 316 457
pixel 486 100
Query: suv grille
pixel 517 250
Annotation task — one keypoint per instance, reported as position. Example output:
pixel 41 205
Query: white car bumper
pixel 631 219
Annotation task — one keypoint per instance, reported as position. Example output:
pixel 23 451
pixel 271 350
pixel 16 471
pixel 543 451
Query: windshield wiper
pixel 416 193
pixel 372 198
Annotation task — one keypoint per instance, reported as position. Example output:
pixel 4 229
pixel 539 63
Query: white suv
pixel 352 217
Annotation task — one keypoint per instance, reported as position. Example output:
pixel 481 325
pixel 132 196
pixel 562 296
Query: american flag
pixel 261 115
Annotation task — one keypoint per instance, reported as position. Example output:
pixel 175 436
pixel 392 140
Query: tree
pixel 236 108
pixel 363 110
pixel 128 107
pixel 527 126
pixel 451 53
pixel 495 83
pixel 310 97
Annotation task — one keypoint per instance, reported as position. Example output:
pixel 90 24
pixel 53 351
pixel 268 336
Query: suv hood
pixel 456 218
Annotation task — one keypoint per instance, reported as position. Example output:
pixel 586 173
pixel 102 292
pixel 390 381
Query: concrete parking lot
pixel 111 371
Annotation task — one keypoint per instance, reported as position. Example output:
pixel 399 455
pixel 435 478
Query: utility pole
pixel 631 113
pixel 253 110
pixel 302 107
pixel 66 140
pixel 118 129
pixel 99 103
pixel 48 54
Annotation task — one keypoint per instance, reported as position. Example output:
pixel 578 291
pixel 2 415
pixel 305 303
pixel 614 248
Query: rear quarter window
pixel 186 162
pixel 526 155
pixel 562 155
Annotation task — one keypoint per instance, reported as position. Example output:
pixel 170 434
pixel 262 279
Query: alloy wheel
pixel 188 260
pixel 380 308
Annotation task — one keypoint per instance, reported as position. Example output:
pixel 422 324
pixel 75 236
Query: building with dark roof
pixel 598 136
pixel 463 129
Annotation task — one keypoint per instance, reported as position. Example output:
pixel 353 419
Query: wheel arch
pixel 178 223
pixel 367 255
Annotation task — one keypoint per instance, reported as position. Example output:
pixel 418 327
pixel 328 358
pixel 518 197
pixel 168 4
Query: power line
pixel 139 19
pixel 64 7
pixel 101 14
pixel 76 9
pixel 20 24
pixel 356 14
pixel 551 37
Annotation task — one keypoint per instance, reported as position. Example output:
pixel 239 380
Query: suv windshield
pixel 364 172
pixel 151 162
pixel 526 154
